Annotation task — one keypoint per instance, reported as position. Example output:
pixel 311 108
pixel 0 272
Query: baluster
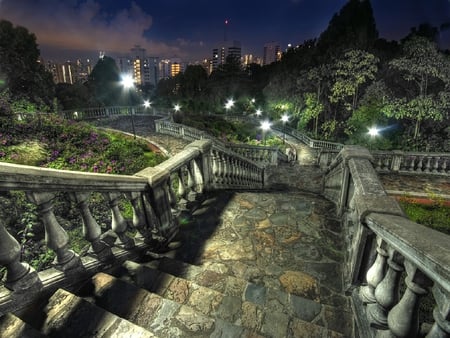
pixel 20 277
pixel 118 223
pixel 215 166
pixel 387 163
pixel 436 164
pixel 56 237
pixel 441 314
pixel 91 230
pixel 181 183
pixel 139 217
pixel 171 195
pixel 428 165
pixel 403 319
pixel 221 173
pixel 420 164
pixel 191 181
pixel 233 171
pixel 225 169
pixel 198 177
pixel 386 292
pixel 379 163
pixel 411 166
pixel 375 274
pixel 444 166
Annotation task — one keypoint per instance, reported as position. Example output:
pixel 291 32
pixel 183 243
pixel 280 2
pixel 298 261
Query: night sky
pixel 189 29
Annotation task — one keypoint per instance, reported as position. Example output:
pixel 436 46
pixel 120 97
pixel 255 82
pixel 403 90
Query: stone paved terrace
pixel 284 241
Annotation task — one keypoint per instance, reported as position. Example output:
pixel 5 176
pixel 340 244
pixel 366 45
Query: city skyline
pixel 190 30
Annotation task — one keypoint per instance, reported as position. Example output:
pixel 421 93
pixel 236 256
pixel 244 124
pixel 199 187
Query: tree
pixel 352 71
pixel 193 81
pixel 428 73
pixel 20 69
pixel 74 96
pixel 313 108
pixel 104 81
pixel 353 27
pixel 318 77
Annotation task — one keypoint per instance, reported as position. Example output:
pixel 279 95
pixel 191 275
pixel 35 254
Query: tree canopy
pixel 20 69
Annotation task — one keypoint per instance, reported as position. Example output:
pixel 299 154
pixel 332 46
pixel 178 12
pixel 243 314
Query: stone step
pixel 269 312
pixel 12 326
pixel 71 316
pixel 163 317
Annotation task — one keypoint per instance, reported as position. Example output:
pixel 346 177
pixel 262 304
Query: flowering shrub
pixel 74 146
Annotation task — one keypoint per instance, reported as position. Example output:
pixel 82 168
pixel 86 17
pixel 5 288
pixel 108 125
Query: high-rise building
pixel 272 53
pixel 170 67
pixel 143 68
pixel 224 50
pixel 69 72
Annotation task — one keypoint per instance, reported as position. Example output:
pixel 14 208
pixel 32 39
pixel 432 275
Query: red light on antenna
pixel 226 22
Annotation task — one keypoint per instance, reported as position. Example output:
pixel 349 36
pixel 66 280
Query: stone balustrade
pixel 151 192
pixel 383 247
pixel 264 155
pixel 105 112
pixel 400 162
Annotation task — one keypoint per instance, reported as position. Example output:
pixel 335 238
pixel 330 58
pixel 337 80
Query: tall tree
pixel 353 27
pixel 427 71
pixel 352 71
pixel 20 69
pixel 104 81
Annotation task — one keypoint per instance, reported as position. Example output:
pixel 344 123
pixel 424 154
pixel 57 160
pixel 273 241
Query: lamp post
pixel 128 84
pixel 374 131
pixel 229 104
pixel 265 126
pixel 284 119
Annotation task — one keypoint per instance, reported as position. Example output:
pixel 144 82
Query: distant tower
pixel 272 53
pixel 225 30
pixel 226 49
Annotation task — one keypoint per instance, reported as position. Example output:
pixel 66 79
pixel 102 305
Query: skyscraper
pixel 226 49
pixel 143 68
pixel 272 53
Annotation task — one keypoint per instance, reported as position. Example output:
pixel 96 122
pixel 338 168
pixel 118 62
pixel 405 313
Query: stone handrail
pixel 316 144
pixel 266 155
pixel 105 112
pixel 381 244
pixel 400 162
pixel 199 167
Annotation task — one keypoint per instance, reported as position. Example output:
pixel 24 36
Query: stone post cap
pixel 355 152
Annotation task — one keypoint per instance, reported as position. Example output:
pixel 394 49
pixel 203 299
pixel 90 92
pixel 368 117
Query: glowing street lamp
pixel 229 104
pixel 147 104
pixel 265 126
pixel 177 107
pixel 284 119
pixel 258 112
pixel 128 84
pixel 373 131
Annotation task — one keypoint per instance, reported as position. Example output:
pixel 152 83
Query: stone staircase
pixel 260 264
pixel 144 300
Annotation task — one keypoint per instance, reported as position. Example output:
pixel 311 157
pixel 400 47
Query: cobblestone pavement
pixel 287 241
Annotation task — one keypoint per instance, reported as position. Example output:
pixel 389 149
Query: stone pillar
pixel 403 319
pixel 159 198
pixel 20 277
pixel 386 292
pixel 56 237
pixel 375 274
pixel 118 223
pixel 441 314
pixel 91 230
